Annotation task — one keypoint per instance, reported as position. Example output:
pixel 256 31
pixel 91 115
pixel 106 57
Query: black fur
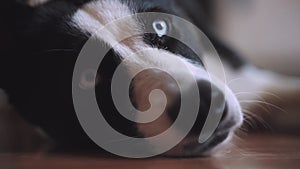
pixel 40 52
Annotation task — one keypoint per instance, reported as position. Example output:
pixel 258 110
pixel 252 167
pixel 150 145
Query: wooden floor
pixel 252 152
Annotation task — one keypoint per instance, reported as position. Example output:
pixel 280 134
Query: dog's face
pixel 58 29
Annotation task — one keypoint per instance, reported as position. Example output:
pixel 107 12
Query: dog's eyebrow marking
pixel 93 16
pixel 34 3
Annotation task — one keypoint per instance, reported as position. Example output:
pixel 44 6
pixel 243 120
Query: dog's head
pixel 57 31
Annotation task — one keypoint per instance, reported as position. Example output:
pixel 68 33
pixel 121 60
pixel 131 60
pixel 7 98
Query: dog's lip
pixel 196 148
pixel 221 134
pixel 193 148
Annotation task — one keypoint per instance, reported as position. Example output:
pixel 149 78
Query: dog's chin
pixel 191 148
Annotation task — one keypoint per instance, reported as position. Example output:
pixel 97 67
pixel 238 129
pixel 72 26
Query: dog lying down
pixel 49 36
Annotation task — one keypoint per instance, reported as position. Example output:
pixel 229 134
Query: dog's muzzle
pixel 150 80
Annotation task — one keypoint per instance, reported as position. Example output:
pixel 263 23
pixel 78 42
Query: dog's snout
pixel 213 103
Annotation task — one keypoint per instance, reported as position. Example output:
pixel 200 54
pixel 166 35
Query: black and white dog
pixel 46 37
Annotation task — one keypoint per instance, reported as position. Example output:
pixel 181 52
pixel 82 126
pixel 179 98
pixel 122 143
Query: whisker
pixel 248 93
pixel 233 80
pixel 255 103
pixel 270 94
pixel 235 136
pixel 243 130
pixel 237 149
pixel 259 98
pixel 252 120
pixel 248 121
pixel 266 103
pixel 258 119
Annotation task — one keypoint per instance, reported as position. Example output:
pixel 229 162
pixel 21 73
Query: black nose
pixel 212 100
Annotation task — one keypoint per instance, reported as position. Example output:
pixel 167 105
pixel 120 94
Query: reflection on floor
pixel 250 152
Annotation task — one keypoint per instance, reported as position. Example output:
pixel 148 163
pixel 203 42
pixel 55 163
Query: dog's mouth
pixel 193 148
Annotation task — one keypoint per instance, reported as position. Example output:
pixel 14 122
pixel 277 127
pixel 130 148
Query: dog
pixel 46 37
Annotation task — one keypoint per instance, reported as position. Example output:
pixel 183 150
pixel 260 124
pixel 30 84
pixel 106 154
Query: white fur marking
pixel 90 19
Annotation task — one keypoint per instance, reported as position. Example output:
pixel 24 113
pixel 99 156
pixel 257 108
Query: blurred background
pixel 267 32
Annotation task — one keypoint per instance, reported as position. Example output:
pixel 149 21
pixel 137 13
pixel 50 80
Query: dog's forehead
pixel 66 20
pixel 50 11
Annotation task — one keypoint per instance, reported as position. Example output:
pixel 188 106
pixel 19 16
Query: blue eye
pixel 160 27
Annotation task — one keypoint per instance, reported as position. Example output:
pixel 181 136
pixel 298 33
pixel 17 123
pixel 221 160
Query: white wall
pixel 266 31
